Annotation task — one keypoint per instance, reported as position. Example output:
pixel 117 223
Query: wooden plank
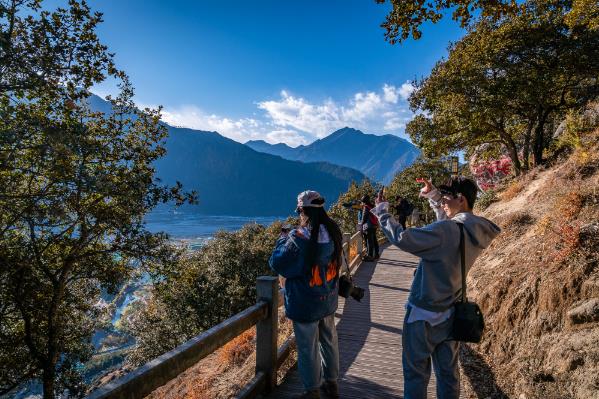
pixel 253 388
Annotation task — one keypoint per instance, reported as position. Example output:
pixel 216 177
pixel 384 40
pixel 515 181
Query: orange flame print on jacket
pixel 331 274
pixel 315 280
pixel 331 271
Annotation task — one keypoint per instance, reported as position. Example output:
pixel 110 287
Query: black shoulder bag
pixel 468 322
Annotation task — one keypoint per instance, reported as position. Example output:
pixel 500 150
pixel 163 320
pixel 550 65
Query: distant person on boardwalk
pixel 309 259
pixel 437 282
pixel 361 228
pixel 369 224
pixel 402 209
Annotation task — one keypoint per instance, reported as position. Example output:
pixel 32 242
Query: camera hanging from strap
pixel 468 324
pixel 347 287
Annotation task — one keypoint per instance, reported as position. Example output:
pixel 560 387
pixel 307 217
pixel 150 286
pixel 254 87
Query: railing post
pixel 346 239
pixel 360 244
pixel 267 331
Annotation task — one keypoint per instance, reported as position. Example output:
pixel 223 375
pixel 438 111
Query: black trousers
pixel 402 220
pixel 372 244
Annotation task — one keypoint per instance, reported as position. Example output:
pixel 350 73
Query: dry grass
pixel 569 205
pixel 222 374
pixel 512 190
pixel 235 352
pixel 353 251
pixel 544 264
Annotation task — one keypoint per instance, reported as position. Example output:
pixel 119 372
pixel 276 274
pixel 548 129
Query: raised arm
pixel 417 241
pixel 285 259
pixel 433 195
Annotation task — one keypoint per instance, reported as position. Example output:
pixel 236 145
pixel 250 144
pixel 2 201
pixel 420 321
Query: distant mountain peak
pixel 377 156
pixel 346 130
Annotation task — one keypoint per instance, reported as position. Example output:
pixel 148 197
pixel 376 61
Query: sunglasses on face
pixel 448 196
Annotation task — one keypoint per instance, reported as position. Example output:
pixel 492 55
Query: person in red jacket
pixel 369 224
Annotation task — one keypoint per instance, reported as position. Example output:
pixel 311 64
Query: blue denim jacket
pixel 310 293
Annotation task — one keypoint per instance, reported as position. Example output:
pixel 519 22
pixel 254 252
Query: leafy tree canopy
pixel 407 16
pixel 505 81
pixel 74 188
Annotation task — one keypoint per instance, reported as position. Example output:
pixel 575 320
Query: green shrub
pixel 486 198
pixel 205 288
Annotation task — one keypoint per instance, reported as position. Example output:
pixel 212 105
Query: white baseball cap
pixel 310 198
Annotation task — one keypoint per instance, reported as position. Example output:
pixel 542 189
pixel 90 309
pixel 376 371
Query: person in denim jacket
pixel 309 259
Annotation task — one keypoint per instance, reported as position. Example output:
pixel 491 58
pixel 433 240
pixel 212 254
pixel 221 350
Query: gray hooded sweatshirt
pixel 437 283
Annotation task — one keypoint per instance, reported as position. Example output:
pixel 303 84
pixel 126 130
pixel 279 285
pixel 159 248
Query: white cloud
pixel 195 118
pixel 296 112
pixel 295 120
pixel 370 111
pixel 290 137
pixel 363 106
pixel 406 89
pixel 394 124
pixel 390 94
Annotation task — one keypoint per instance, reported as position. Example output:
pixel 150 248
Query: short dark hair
pixel 461 185
pixel 366 199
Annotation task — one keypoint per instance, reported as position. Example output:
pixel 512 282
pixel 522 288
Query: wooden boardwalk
pixel 370 332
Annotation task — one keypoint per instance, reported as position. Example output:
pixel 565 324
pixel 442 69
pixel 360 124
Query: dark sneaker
pixel 330 389
pixel 313 394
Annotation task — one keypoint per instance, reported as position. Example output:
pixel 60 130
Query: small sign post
pixel 454 166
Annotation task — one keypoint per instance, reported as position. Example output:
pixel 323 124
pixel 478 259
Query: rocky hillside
pixel 538 285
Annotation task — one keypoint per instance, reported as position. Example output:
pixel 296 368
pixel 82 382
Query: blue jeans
pixel 317 351
pixel 421 342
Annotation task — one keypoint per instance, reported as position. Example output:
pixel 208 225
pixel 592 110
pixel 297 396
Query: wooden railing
pixel 264 315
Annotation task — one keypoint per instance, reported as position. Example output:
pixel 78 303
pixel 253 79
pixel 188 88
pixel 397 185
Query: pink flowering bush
pixel 489 173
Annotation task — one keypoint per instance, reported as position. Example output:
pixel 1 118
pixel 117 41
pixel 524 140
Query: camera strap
pixel 463 261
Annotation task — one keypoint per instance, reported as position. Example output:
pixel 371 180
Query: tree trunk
pixel 48 380
pixel 515 160
pixel 539 142
pixel 526 149
pixel 513 150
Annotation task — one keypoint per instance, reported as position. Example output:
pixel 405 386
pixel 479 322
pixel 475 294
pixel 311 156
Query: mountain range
pixel 378 157
pixel 259 179
pixel 233 179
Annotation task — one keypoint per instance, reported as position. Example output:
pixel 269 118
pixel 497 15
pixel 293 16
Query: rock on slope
pixel 538 286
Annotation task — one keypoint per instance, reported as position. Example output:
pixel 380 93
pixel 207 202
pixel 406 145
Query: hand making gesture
pixel 428 185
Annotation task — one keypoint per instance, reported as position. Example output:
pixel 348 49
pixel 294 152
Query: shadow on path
pixel 390 287
pixel 407 264
pixel 358 330
pixel 480 375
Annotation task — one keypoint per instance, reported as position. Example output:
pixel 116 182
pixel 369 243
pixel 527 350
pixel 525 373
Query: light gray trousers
pixel 421 342
pixel 317 351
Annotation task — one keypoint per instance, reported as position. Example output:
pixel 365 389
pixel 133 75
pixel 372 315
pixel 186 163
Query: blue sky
pixel 279 71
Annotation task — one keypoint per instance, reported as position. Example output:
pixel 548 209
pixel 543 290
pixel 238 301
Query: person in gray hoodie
pixel 437 282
